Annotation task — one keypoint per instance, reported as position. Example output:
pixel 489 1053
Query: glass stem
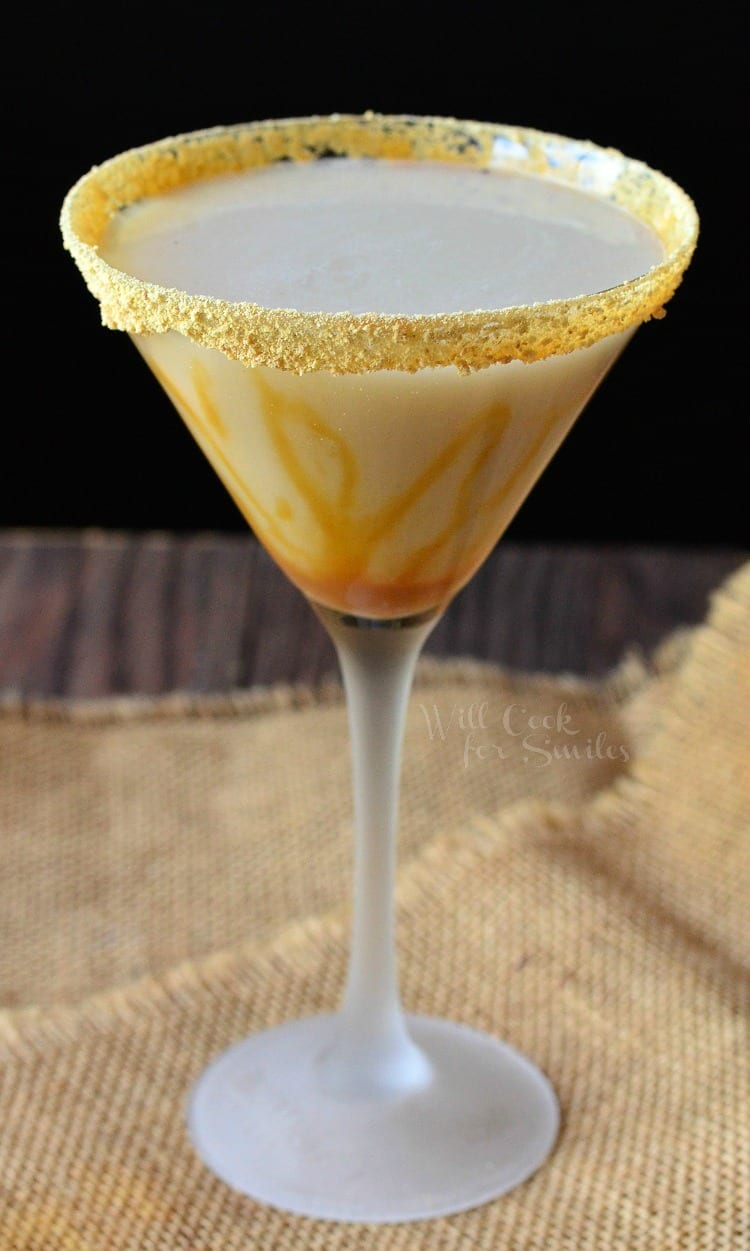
pixel 373 1053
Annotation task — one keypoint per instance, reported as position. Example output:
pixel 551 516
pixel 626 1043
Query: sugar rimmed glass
pixel 379 518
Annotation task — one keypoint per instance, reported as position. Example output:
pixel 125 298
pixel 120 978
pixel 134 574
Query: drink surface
pixel 362 235
pixel 379 494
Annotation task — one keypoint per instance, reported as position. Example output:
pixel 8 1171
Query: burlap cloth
pixel 174 875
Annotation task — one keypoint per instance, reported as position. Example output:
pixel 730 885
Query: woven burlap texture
pixel 175 875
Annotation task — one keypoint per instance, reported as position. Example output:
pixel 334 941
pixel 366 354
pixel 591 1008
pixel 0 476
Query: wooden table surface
pixel 90 613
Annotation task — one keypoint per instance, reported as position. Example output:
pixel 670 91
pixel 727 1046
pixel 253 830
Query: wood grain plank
pixel 88 614
pixel 215 575
pixel 40 584
pixel 96 639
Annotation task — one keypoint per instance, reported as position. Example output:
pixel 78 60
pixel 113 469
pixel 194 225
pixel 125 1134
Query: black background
pixel 659 455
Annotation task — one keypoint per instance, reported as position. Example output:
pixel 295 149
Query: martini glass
pixel 379 457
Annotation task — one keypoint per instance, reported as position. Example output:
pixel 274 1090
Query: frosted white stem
pixel 373 1053
pixel 367 1115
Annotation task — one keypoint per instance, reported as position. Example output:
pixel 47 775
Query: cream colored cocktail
pixel 379 495
pixel 379 355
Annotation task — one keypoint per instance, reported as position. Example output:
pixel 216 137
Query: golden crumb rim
pixel 347 343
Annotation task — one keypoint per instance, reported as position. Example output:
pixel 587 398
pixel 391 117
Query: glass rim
pixel 358 343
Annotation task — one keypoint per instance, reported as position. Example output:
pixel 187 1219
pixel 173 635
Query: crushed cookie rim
pixel 349 343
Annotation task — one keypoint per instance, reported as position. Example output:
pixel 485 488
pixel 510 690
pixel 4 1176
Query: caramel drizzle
pixel 350 539
pixel 465 508
pixel 207 428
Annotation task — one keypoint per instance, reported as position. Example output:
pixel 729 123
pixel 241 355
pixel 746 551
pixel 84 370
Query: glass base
pixel 259 1118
